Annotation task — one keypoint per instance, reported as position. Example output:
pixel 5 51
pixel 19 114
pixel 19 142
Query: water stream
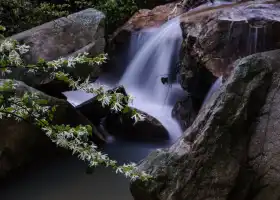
pixel 152 54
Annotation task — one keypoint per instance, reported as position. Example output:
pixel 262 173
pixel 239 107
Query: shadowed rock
pixel 22 142
pixel 93 108
pixel 214 37
pixel 149 130
pixel 121 124
pixel 210 159
pixel 264 151
pixel 184 112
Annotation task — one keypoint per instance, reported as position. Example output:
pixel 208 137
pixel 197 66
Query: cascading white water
pixel 152 54
pixel 156 58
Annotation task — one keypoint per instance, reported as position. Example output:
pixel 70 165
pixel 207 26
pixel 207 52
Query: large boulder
pixel 214 37
pixel 21 142
pixel 67 36
pixel 121 124
pixel 78 32
pixel 210 160
pixel 93 108
pixel 264 151
pixel 149 130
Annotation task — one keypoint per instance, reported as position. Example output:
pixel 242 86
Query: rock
pixel 140 20
pixel 208 161
pixel 264 151
pixel 21 142
pixel 94 110
pixel 214 37
pixel 67 36
pixel 184 112
pixel 121 125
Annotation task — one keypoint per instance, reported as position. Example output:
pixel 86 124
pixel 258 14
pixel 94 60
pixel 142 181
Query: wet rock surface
pixel 143 19
pixel 21 142
pixel 214 37
pixel 210 161
pixel 149 130
pixel 184 112
pixel 121 124
pixel 93 108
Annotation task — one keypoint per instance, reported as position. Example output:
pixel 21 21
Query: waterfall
pixel 156 58
pixel 152 54
pixel 153 61
pixel 257 37
pixel 216 85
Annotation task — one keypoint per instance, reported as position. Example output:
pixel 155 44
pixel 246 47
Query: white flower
pixel 83 155
pixel 133 165
pixel 130 98
pixel 7 45
pixel 22 48
pixel 48 131
pixel 68 135
pixel 93 163
pixel 119 170
pixel 75 148
pixel 71 62
pixel 117 107
pixel 128 173
pixel 105 99
pixel 137 117
pixel 93 146
pixel 62 142
pixel 15 58
pixel 57 63
pixel 134 177
pixel 119 96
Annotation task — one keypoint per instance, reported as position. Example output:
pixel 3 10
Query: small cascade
pixel 153 61
pixel 156 59
pixel 257 37
pixel 216 86
pixel 230 30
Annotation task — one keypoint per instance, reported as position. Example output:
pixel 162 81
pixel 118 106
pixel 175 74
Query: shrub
pixel 20 15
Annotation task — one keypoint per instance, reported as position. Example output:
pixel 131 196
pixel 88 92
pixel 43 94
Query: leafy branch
pixel 31 108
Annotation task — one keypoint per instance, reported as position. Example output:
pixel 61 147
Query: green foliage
pixel 19 15
pixel 117 12
pixel 30 107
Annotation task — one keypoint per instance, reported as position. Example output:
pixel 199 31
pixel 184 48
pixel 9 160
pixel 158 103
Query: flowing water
pixel 216 86
pixel 152 54
pixel 157 58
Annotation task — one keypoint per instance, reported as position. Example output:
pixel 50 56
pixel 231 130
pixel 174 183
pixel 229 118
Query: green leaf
pixel 42 101
pixel 126 110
